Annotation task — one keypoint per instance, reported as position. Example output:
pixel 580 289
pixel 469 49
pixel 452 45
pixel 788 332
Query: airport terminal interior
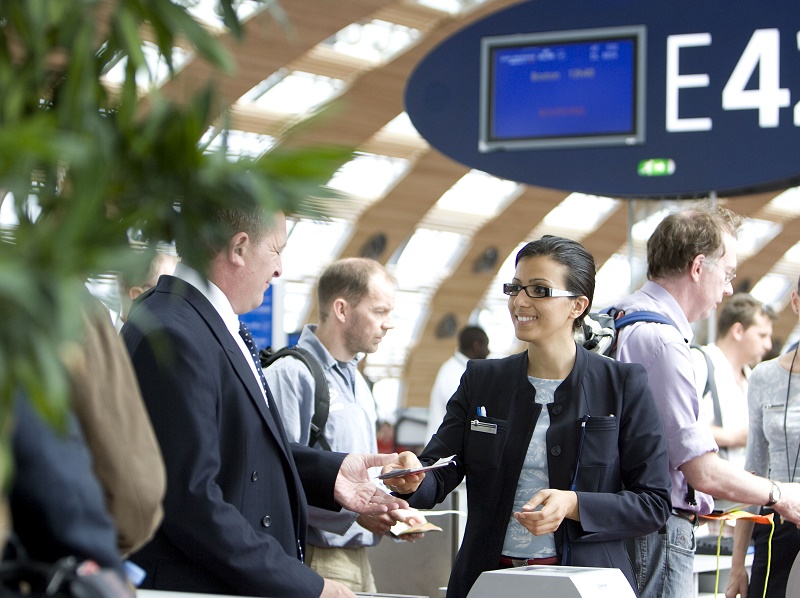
pixel 319 72
pixel 309 73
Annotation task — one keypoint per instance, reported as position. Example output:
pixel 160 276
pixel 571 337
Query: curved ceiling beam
pixel 267 46
pixel 606 240
pixel 751 270
pixel 397 214
pixel 462 292
pixel 376 97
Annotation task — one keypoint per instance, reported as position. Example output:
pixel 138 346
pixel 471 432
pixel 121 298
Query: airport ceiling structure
pixel 334 72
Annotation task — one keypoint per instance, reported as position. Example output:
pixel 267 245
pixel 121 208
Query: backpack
pixel 599 331
pixel 322 396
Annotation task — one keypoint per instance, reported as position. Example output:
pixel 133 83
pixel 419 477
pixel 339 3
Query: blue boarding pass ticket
pixel 399 473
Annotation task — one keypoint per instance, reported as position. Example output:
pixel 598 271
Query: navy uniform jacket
pixel 622 484
pixel 235 507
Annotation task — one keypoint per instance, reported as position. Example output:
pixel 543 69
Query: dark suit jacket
pixel 622 484
pixel 56 502
pixel 235 507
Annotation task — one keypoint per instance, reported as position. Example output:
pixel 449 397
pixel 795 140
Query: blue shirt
pixel 350 427
pixel 664 352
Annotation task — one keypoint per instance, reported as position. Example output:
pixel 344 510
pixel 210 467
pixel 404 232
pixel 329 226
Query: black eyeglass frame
pixel 512 289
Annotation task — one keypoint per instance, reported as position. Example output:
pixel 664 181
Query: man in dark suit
pixel 237 491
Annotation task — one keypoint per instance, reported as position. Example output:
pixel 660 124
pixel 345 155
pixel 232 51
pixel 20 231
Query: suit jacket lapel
pixel 235 356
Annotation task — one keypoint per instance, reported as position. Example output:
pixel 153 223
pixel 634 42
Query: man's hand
pixel 381 524
pixel 409 483
pixel 334 589
pixel 354 490
pixel 789 504
pixel 557 505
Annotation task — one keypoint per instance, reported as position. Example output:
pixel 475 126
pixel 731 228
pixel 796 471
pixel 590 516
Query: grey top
pixel 766 442
pixel 519 542
pixel 350 427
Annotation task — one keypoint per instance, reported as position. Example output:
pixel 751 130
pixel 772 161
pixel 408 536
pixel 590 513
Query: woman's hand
pixel 737 583
pixel 556 505
pixel 409 483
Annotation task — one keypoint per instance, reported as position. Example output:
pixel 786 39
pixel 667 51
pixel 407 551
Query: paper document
pixel 401 528
pixel 399 473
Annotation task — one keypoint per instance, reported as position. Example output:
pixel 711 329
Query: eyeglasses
pixel 729 276
pixel 535 291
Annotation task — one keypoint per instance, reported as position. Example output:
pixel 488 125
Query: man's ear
pixel 737 331
pixel 698 263
pixel 238 247
pixel 339 309
pixel 795 302
pixel 134 292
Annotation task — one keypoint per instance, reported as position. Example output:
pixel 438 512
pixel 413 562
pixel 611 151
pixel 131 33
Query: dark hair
pixel 742 308
pixel 682 236
pixel 470 335
pixel 347 278
pixel 578 263
pixel 221 226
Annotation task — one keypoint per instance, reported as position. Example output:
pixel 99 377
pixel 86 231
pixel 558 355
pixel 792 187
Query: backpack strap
pixel 641 316
pixel 711 388
pixel 322 395
pixel 621 319
pixel 711 385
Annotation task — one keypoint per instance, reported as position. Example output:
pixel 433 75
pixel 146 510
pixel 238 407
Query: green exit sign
pixel 656 167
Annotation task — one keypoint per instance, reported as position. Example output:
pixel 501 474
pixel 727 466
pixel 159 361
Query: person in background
pixel 744 336
pixel 56 507
pixel 126 457
pixel 130 288
pixel 355 297
pixel 562 449
pixel 473 343
pixel 773 398
pixel 691 262
pixel 235 510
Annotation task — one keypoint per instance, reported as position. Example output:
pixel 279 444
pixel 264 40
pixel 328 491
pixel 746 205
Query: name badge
pixel 486 428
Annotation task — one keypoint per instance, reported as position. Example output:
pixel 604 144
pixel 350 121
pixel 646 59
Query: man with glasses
pixel 691 262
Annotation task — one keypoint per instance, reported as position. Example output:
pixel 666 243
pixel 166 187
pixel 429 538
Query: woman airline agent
pixel 563 449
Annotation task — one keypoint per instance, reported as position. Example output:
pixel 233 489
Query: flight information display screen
pixel 562 89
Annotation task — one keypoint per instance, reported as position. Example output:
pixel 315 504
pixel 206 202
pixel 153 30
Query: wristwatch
pixel 774 494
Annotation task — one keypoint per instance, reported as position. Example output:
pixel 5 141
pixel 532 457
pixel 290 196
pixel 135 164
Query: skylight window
pixel 453 7
pixel 478 193
pixel 787 202
pixel 310 247
pixel 773 289
pixel 206 11
pixel 298 93
pixel 157 71
pixel 428 256
pixel 580 212
pixel 369 176
pixel 493 314
pixel 401 125
pixel 793 256
pixel 643 230
pixel 239 143
pixel 377 41
pixel 613 281
pixel 754 234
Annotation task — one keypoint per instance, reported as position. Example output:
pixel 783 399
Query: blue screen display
pixel 563 90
